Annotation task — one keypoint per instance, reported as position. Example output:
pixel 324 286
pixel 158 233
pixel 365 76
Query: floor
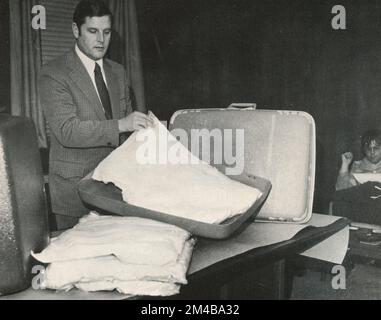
pixel 362 282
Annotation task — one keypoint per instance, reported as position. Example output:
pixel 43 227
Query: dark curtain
pixel 4 58
pixel 26 62
pixel 125 47
pixel 279 54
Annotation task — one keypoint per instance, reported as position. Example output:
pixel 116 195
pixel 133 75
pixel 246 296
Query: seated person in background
pixel 371 163
pixel 360 202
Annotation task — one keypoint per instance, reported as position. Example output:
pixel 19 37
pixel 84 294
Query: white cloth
pixel 109 268
pixel 132 288
pixel 156 172
pixel 131 239
pixel 134 256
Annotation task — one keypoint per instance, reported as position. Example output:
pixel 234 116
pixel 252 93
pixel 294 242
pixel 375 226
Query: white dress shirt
pixel 90 67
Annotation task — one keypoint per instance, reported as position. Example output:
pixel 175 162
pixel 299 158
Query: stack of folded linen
pixel 134 256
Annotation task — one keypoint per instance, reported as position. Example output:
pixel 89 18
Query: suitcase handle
pixel 250 106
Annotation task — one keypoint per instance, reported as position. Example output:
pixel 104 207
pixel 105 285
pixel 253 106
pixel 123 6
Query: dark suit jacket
pixel 80 135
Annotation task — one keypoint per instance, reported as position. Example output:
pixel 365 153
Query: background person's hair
pixel 368 137
pixel 90 8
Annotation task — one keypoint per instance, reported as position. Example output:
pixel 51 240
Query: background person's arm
pixel 345 179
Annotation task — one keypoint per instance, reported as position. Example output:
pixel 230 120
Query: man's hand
pixel 135 121
pixel 346 160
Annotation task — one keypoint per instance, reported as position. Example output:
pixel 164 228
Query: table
pixel 242 268
pixel 223 266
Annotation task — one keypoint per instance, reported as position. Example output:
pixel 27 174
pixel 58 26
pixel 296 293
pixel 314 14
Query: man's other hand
pixel 135 121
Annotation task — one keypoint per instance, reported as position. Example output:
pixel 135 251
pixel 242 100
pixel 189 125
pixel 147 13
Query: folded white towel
pixel 131 239
pixel 132 288
pixel 59 275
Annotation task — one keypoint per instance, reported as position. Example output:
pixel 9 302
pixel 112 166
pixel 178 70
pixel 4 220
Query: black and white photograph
pixel 200 151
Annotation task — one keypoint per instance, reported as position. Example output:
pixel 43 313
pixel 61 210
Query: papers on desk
pixel 332 249
pixel 257 235
pixel 366 177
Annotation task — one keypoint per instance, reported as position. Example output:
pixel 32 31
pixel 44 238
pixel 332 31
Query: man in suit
pixel 86 102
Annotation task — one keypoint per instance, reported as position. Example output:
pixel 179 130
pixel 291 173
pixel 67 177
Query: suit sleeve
pixel 61 115
pixel 126 104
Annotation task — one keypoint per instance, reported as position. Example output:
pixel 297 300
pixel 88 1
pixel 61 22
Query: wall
pixel 280 54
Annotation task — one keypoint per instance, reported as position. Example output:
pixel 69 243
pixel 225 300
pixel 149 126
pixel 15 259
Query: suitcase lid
pixel 277 145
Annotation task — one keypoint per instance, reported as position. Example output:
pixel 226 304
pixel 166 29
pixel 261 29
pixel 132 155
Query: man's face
pixel 373 152
pixel 94 37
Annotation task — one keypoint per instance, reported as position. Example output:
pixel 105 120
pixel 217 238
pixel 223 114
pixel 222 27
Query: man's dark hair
pixel 368 137
pixel 90 8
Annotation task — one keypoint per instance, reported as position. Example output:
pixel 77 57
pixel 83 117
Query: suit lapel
pixel 82 79
pixel 113 89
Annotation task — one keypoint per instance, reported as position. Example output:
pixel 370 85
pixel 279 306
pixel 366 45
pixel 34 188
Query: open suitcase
pixel 278 150
pixel 279 146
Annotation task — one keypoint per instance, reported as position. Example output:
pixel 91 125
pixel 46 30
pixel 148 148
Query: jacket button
pixel 109 143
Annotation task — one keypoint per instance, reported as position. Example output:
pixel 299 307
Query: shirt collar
pixel 88 63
